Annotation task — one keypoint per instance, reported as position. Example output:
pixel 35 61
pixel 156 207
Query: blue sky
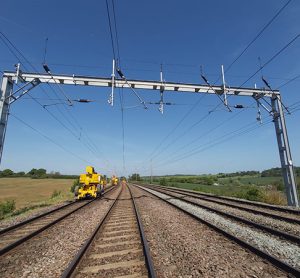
pixel 181 35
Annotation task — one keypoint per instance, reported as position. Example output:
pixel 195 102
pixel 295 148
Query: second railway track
pixel 279 252
pixel 288 215
pixel 15 235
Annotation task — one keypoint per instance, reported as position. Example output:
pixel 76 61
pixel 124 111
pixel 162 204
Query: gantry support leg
pixel 284 152
pixel 6 91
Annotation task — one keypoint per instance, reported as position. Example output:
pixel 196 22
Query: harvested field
pixel 29 192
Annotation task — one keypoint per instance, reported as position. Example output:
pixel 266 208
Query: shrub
pixel 274 197
pixel 279 185
pixel 55 194
pixel 253 194
pixel 163 182
pixel 7 207
pixel 75 183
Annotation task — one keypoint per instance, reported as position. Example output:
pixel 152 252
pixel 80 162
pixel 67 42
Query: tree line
pixel 35 174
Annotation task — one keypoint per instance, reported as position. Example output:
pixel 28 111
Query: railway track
pixel 117 247
pixel 220 208
pixel 15 235
pixel 269 210
pixel 290 263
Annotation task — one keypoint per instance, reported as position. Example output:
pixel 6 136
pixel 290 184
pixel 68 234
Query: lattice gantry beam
pixel 139 84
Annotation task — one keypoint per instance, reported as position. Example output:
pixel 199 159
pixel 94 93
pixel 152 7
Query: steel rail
pixel 75 262
pixel 38 231
pixel 270 230
pixel 267 214
pixel 246 202
pixel 264 255
pixel 5 230
pixel 146 250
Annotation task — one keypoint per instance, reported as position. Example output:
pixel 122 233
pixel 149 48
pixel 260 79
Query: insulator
pixel 239 106
pixel 266 82
pixel 83 100
pixel 203 77
pixel 46 68
pixel 120 73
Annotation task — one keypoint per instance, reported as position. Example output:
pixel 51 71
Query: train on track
pixel 91 184
pixel 114 180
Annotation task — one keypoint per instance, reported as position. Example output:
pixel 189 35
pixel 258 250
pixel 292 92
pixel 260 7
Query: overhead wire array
pixel 153 153
pixel 222 139
pixel 113 30
pixel 88 143
pixel 157 150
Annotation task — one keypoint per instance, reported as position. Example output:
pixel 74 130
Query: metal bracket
pixel 32 84
pixel 162 88
pixel 111 96
pixel 224 87
pixel 258 117
pixel 218 93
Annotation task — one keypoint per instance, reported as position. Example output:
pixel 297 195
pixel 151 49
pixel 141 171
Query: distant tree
pixel 135 177
pixel 32 172
pixel 37 173
pixel 20 174
pixel 7 173
pixel 273 172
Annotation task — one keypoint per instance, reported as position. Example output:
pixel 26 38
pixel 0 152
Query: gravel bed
pixel 233 199
pixel 29 214
pixel 258 209
pixel 257 218
pixel 286 251
pixel 48 254
pixel 181 246
pixel 247 204
pixel 290 228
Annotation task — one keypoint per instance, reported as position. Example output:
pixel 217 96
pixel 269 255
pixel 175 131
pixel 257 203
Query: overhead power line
pixel 48 138
pixel 271 59
pixel 241 54
pixel 204 134
pixel 15 51
pixel 174 128
pixel 110 30
pixel 288 82
pixel 258 35
pixel 218 141
pixel 116 32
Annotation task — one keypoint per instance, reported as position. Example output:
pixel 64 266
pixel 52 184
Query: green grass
pixel 224 190
pixel 254 188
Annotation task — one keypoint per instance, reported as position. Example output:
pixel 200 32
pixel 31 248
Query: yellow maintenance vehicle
pixel 91 184
pixel 114 180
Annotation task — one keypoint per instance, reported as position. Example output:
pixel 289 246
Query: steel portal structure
pixel 33 79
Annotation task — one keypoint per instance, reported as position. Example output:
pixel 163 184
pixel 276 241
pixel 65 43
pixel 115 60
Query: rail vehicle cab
pixel 114 180
pixel 91 184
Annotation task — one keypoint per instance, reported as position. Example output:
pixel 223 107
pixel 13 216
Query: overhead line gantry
pixel 276 110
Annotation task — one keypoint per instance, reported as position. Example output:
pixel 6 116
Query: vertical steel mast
pixel 284 151
pixel 6 91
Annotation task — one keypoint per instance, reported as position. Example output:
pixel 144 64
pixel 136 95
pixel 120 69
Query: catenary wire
pixel 271 59
pixel 258 35
pixel 175 152
pixel 48 138
pixel 213 145
pixel 74 126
